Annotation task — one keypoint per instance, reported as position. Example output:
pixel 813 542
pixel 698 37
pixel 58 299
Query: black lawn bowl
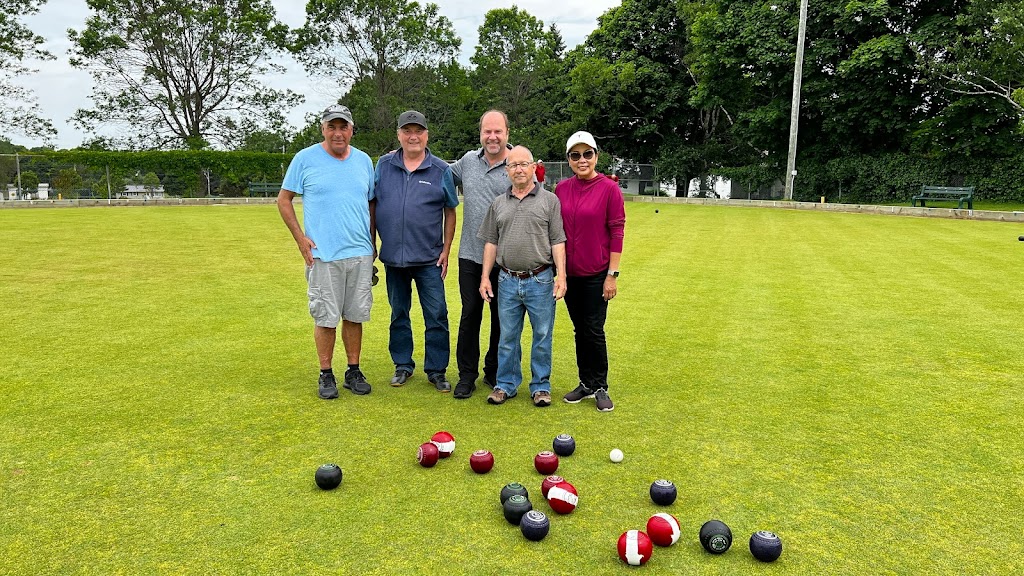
pixel 715 536
pixel 515 507
pixel 564 445
pixel 535 525
pixel 663 492
pixel 328 476
pixel 765 546
pixel 511 489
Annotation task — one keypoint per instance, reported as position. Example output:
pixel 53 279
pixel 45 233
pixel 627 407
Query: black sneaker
pixel 578 394
pixel 489 381
pixel 604 403
pixel 356 382
pixel 401 375
pixel 440 381
pixel 328 388
pixel 464 390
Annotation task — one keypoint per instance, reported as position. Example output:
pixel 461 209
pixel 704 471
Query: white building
pixel 139 192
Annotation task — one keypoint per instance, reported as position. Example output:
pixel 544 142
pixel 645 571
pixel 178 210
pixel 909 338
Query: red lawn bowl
pixel 548 483
pixel 427 454
pixel 481 461
pixel 445 443
pixel 546 462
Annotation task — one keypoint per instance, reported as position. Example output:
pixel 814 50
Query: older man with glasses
pixel 524 237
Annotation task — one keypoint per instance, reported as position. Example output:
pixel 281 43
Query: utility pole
pixel 794 116
pixel 17 164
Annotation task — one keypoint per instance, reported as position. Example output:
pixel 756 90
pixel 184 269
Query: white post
pixel 794 115
pixel 108 184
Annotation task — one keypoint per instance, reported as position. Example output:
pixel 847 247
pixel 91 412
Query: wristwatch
pixel 613 273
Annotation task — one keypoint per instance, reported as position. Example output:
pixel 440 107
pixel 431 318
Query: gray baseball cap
pixel 412 117
pixel 335 112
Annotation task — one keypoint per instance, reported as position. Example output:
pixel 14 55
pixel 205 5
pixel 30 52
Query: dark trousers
pixel 467 350
pixel 584 299
pixel 430 288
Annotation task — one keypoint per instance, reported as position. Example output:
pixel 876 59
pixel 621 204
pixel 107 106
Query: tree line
pixel 896 93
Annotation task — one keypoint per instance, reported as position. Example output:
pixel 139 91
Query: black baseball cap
pixel 412 117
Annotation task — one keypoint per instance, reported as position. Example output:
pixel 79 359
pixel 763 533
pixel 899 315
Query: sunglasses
pixel 588 154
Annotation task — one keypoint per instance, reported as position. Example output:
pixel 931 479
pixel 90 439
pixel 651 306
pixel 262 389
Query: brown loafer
pixel 542 399
pixel 497 396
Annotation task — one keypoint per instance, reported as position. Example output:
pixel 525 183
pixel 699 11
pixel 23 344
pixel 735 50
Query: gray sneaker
pixel 356 382
pixel 400 377
pixel 328 387
pixel 440 381
pixel 578 394
pixel 604 403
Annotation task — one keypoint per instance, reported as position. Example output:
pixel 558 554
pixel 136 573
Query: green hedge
pixel 232 163
pixel 894 178
pixel 181 172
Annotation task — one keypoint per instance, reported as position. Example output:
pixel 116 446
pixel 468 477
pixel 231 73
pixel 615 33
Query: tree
pixel 264 141
pixel 150 181
pixel 181 73
pixel 444 95
pixel 633 83
pixel 19 110
pixel 29 182
pixel 390 46
pixel 986 59
pixel 519 69
pixel 117 184
pixel 864 88
pixel 66 182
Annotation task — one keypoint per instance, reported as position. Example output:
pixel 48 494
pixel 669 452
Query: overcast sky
pixel 62 89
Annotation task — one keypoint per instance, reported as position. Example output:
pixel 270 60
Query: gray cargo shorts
pixel 340 290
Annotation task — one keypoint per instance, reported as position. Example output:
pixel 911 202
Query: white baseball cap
pixel 580 137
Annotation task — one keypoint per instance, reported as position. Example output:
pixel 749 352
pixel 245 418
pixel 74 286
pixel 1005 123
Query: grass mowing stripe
pixel 846 380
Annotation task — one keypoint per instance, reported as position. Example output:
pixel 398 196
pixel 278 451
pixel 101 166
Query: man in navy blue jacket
pixel 414 212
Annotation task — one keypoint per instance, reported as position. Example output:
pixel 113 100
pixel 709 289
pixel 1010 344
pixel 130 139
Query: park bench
pixel 959 193
pixel 264 188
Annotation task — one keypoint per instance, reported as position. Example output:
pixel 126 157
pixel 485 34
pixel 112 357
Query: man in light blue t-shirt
pixel 335 181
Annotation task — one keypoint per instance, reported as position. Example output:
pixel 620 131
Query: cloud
pixel 62 89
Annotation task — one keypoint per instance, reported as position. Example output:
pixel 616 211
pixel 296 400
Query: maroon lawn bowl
pixel 546 462
pixel 427 454
pixel 481 461
pixel 548 483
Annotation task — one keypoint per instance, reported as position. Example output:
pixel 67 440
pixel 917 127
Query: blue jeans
pixel 430 288
pixel 533 296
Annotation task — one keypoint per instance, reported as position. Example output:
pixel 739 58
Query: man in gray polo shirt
pixel 481 174
pixel 524 237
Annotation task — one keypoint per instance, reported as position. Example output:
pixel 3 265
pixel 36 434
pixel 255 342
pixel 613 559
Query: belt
pixel 528 273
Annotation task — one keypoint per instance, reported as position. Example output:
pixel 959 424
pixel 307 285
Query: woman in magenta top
pixel 594 216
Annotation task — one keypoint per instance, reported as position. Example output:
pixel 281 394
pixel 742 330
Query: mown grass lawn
pixel 852 382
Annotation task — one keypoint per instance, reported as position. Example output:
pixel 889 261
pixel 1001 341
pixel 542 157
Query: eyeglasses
pixel 517 165
pixel 588 154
